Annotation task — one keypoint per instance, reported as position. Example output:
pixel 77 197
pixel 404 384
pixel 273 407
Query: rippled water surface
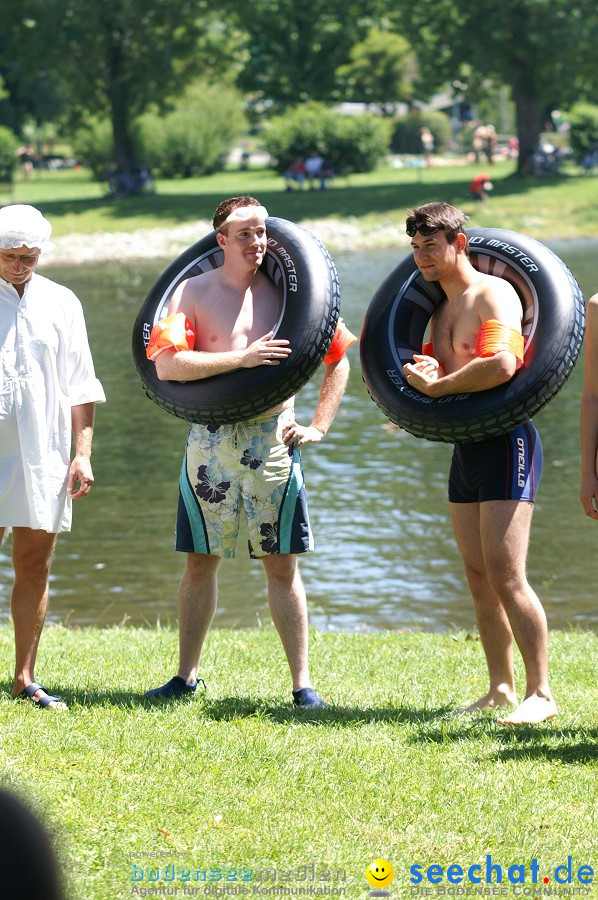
pixel 385 555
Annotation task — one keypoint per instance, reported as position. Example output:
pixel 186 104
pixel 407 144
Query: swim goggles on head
pixel 243 213
pixel 411 228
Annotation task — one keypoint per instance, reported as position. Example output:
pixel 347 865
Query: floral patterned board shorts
pixel 244 463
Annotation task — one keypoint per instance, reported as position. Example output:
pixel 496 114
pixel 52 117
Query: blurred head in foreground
pixel 28 865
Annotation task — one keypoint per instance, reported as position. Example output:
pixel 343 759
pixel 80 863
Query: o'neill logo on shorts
pixel 520 462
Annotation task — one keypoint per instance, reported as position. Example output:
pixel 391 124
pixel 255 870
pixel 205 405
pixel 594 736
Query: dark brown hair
pixel 224 209
pixel 442 215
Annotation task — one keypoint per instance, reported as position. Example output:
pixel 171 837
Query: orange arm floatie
pixel 493 337
pixel 341 342
pixel 172 333
pixel 428 349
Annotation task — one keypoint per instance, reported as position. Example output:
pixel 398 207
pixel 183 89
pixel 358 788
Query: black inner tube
pixel 553 324
pixel 307 280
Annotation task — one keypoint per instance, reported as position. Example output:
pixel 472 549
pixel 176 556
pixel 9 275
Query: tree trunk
pixel 124 155
pixel 529 127
pixel 119 106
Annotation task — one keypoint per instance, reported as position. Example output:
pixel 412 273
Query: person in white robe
pixel 48 390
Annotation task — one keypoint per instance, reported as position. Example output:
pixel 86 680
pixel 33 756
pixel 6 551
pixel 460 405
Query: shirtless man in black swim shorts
pixel 477 345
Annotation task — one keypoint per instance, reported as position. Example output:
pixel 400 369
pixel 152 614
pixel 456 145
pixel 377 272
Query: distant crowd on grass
pixel 313 171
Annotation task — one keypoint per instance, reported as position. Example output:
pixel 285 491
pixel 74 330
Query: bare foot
pixel 532 711
pixel 497 699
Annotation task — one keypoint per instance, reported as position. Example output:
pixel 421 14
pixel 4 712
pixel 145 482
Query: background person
pixel 490 142
pixel 427 142
pixel 27 157
pixel 479 141
pixel 589 415
pixel 326 173
pixel 48 390
pixel 476 345
pixel 250 468
pixel 295 174
pixel 480 186
pixel 313 167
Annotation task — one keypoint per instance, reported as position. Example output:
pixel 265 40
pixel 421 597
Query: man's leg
pixel 288 607
pixel 492 621
pixel 32 552
pixel 198 595
pixel 505 528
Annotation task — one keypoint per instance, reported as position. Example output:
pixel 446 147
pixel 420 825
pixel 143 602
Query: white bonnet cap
pixel 23 225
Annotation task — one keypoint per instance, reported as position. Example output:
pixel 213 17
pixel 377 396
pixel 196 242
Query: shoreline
pixel 337 235
pixel 151 243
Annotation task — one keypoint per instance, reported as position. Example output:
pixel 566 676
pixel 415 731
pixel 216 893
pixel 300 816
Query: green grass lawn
pixel 544 207
pixel 235 779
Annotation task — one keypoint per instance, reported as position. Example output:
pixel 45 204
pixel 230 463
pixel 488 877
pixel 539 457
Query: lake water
pixel 385 554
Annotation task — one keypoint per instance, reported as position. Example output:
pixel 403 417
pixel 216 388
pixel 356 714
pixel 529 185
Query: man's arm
pixel 500 302
pixel 80 468
pixel 477 375
pixel 589 415
pixel 333 386
pixel 192 365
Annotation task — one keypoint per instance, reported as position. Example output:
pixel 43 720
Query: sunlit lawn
pixel 545 207
pixel 236 779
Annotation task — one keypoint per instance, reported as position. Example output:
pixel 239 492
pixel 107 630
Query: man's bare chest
pixel 455 331
pixel 233 326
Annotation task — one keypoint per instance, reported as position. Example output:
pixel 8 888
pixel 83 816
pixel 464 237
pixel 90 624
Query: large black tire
pixel 299 264
pixel 553 326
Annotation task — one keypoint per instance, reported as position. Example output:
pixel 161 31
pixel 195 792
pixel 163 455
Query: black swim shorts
pixel 506 467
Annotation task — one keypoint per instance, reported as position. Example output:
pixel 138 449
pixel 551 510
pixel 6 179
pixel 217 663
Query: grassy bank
pixel 235 779
pixel 558 206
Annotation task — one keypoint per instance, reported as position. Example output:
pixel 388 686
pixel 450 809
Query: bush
pixel 583 135
pixel 406 136
pixel 8 158
pixel 194 137
pixel 351 143
pixel 93 146
pixel 191 139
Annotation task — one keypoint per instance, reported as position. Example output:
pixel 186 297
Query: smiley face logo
pixel 379 873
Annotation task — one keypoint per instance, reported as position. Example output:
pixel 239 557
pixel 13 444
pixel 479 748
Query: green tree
pixel 583 120
pixel 32 93
pixel 8 158
pixel 115 58
pixel 197 133
pixel 295 48
pixel 380 70
pixel 543 49
pixel 406 136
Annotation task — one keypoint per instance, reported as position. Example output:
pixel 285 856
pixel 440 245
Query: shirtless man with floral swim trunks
pixel 491 497
pixel 251 467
